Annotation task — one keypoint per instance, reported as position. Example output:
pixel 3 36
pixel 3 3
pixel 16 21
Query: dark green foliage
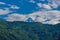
pixel 28 31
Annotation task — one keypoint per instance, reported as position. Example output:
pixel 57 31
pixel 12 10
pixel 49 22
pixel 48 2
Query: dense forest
pixel 19 30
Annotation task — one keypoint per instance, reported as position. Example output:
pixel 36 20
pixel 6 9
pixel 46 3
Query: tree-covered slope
pixel 28 31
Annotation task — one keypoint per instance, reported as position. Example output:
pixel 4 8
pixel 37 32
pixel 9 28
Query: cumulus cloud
pixel 7 10
pixel 45 17
pixel 54 3
pixel 4 11
pixel 14 7
pixel 2 3
pixel 50 5
pixel 39 4
pixel 32 1
pixel 46 6
pixel 10 5
pixel 16 17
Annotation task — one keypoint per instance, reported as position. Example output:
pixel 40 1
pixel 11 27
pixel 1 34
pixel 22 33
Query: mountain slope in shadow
pixel 19 30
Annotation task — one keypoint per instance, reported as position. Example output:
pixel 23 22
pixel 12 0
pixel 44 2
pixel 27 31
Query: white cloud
pixel 45 17
pixel 10 5
pixel 40 16
pixel 46 6
pixel 2 3
pixel 52 16
pixel 51 4
pixel 54 3
pixel 39 4
pixel 14 7
pixel 4 11
pixel 57 2
pixel 51 22
pixel 32 1
pixel 16 17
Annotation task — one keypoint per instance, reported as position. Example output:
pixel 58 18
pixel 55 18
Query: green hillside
pixel 28 31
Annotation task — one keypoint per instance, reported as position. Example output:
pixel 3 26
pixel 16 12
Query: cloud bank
pixel 4 11
pixel 16 17
pixel 45 17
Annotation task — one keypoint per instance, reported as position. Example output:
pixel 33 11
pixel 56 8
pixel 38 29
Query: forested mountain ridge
pixel 19 30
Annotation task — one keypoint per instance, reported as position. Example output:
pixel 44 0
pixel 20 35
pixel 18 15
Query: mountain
pixel 29 20
pixel 19 30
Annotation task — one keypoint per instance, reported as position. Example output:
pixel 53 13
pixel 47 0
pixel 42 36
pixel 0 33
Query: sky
pixel 44 11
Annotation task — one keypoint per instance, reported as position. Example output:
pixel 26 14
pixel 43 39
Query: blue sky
pixel 25 6
pixel 21 10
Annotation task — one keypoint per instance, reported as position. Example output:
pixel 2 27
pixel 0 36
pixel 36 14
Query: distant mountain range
pixel 19 30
